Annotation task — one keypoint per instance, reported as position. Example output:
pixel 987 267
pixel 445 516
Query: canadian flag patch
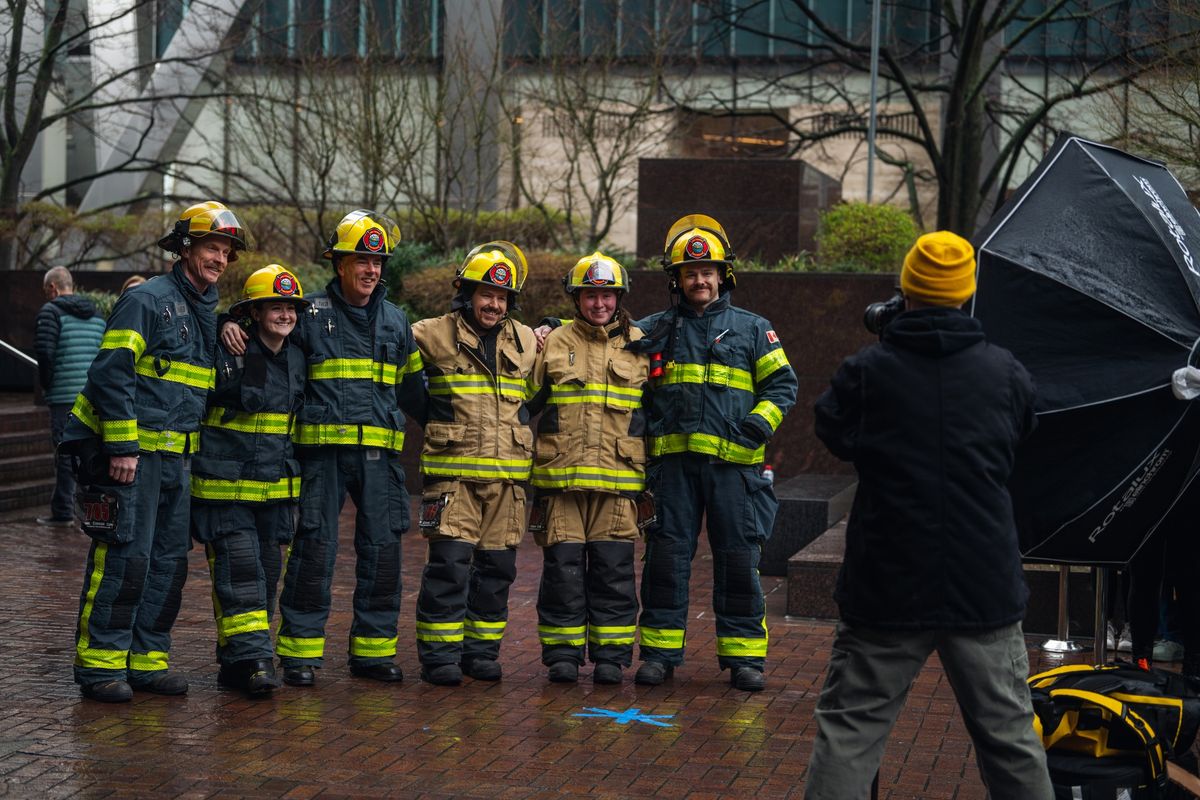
pixel 772 337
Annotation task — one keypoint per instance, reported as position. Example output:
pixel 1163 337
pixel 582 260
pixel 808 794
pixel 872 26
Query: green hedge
pixel 858 237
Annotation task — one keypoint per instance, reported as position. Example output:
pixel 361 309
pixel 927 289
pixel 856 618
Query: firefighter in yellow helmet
pixel 364 375
pixel 131 430
pixel 720 386
pixel 589 467
pixel 478 450
pixel 245 479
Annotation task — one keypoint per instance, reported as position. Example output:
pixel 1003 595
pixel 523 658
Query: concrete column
pixel 473 118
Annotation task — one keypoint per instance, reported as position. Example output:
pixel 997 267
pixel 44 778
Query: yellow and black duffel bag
pixel 1097 722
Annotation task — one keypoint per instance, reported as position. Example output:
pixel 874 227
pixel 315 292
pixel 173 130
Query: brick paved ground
pixel 354 738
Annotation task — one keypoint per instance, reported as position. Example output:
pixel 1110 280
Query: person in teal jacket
pixel 68 337
pixel 363 369
pixel 132 431
pixel 245 480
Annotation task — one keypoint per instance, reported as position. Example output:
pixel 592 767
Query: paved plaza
pixel 694 737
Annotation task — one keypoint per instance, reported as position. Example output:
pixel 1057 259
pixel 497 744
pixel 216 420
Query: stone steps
pixel 26 455
pixel 808 505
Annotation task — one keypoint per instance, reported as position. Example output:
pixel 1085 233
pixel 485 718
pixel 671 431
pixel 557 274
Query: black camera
pixel 878 315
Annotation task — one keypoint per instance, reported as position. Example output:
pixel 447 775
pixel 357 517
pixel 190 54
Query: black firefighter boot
pixel 255 677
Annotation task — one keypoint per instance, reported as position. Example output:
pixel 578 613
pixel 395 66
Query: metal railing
pixel 30 361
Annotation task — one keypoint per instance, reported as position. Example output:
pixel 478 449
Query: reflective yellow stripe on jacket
pixel 242 422
pixel 604 394
pixel 365 369
pixel 712 374
pixel 124 338
pixel 491 469
pixel 584 477
pixel 164 369
pixel 336 433
pixel 706 444
pixel 444 385
pixel 127 430
pixel 245 491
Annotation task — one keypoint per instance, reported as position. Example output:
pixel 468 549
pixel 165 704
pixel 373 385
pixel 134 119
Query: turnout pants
pixel 374 479
pixel 241 542
pixel 870 672
pixel 473 530
pixel 588 592
pixel 739 506
pixel 132 586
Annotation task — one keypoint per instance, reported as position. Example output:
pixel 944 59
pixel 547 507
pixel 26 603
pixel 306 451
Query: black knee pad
pixel 661 579
pixel 610 580
pixel 562 585
pixel 241 553
pixel 444 580
pixel 736 590
pixel 386 586
pixel 493 572
pixel 177 569
pixel 129 593
pixel 308 562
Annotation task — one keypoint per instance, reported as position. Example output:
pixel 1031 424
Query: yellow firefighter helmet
pixel 698 239
pixel 269 284
pixel 497 263
pixel 209 218
pixel 596 271
pixel 363 232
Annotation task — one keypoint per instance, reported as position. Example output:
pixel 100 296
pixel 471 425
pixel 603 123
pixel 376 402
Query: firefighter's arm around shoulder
pixel 412 394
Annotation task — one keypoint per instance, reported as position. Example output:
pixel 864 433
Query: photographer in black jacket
pixel 931 417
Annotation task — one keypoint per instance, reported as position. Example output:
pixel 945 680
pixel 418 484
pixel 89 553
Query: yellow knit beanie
pixel 939 270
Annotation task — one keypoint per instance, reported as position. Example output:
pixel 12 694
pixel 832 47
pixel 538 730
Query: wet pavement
pixel 694 737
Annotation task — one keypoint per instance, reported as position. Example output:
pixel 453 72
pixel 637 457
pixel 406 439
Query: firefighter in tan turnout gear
pixel 589 467
pixel 478 447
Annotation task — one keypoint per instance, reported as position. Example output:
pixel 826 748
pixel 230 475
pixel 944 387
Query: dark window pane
pixel 750 38
pixel 673 21
pixel 380 27
pixel 560 31
pixel 310 26
pixel 599 27
pixel 791 28
pixel 910 26
pixel 420 27
pixel 273 29
pixel 522 28
pixel 169 16
pixel 637 27
pixel 341 29
pixel 833 13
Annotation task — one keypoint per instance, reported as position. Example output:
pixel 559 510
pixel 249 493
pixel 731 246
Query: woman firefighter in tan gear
pixel 588 468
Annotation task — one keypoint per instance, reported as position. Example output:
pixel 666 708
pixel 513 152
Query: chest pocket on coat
pixel 621 397
pixel 731 362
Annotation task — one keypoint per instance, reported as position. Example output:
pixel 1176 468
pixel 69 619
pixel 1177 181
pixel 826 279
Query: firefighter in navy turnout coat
pixel 245 480
pixel 132 431
pixel 478 448
pixel 590 464
pixel 720 387
pixel 363 367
